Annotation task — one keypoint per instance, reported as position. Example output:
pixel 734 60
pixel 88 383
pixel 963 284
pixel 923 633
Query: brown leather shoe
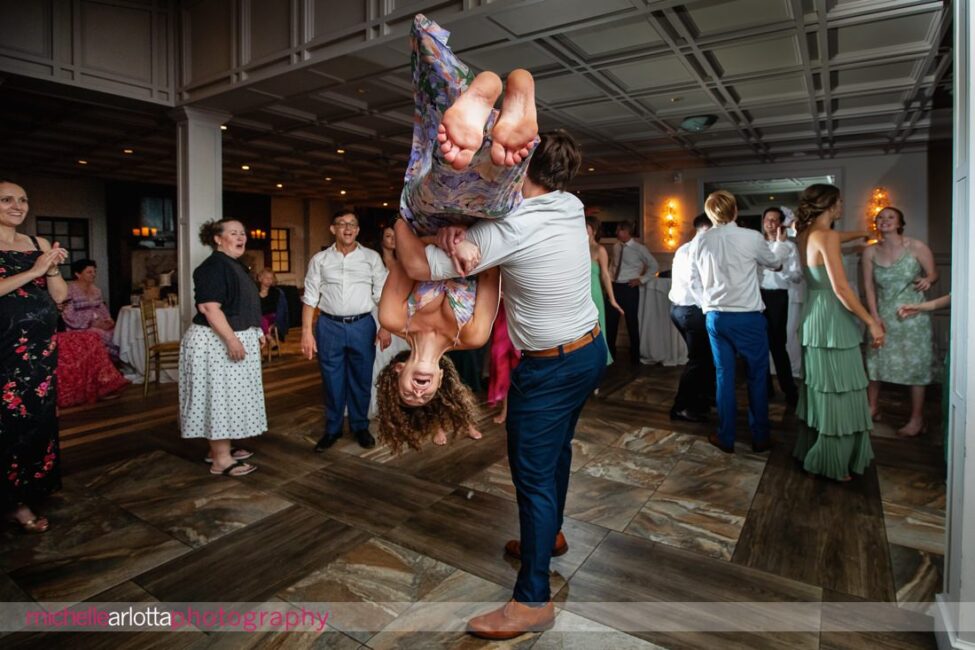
pixel 561 547
pixel 514 619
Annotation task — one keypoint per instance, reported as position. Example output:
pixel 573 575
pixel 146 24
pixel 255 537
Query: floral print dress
pixel 29 452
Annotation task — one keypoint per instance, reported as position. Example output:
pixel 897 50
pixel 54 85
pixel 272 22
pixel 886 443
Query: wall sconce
pixel 879 199
pixel 144 232
pixel 670 219
pixel 257 233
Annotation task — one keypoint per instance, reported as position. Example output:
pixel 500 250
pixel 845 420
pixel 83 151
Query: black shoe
pixel 713 439
pixel 762 447
pixel 365 439
pixel 687 416
pixel 325 442
pixel 792 400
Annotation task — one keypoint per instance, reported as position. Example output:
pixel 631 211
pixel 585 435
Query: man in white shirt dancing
pixel 632 267
pixel 775 295
pixel 695 394
pixel 543 251
pixel 727 258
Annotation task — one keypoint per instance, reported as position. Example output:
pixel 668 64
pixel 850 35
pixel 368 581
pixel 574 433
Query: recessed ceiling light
pixel 698 123
pixel 279 185
pixel 245 167
pixel 676 99
pixel 127 151
pixel 385 203
pixel 328 178
pixel 361 91
pixel 340 151
pixel 592 169
pixel 771 198
pixel 82 162
pixel 223 127
pixel 342 192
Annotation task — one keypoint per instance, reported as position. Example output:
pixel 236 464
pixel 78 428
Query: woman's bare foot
pixel 875 415
pixel 474 433
pixel 500 418
pixel 517 126
pixel 27 520
pixel 441 438
pixel 845 479
pixel 461 131
pixel 911 429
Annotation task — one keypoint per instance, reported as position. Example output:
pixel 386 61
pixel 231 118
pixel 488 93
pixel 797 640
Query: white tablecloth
pixel 132 349
pixel 660 342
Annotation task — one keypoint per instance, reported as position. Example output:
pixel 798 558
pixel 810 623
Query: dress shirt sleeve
pixel 313 281
pixel 772 255
pixel 488 236
pixel 378 278
pixel 792 267
pixel 651 262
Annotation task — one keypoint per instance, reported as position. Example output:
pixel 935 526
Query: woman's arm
pixel 906 311
pixel 392 303
pixel 853 235
pixel 218 323
pixel 869 288
pixel 926 259
pixel 602 259
pixel 56 286
pixel 46 262
pixel 478 330
pixel 832 254
pixel 410 251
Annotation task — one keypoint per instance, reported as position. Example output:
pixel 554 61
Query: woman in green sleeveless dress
pixel 895 272
pixel 600 276
pixel 835 439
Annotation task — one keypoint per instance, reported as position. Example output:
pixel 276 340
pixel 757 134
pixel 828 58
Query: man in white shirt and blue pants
pixel 727 258
pixel 344 282
pixel 543 251
pixel 632 267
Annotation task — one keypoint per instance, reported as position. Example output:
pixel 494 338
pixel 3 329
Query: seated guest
pixel 274 307
pixel 85 309
pixel 85 372
pixel 695 394
pixel 728 258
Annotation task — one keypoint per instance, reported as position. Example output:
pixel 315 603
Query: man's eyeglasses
pixel 346 224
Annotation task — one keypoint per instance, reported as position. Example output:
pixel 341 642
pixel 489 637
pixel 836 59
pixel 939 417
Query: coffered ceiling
pixel 784 80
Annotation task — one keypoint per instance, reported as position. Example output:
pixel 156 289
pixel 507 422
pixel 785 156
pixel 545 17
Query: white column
pixel 199 192
pixel 955 608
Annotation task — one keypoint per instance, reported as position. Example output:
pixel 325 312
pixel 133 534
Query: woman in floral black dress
pixel 30 286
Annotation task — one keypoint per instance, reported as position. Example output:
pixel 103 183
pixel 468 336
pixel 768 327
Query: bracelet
pixel 51 275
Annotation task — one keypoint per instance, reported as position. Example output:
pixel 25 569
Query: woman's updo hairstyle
pixel 815 200
pixel 211 229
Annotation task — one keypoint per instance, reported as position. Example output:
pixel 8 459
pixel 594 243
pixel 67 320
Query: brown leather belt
pixel 580 342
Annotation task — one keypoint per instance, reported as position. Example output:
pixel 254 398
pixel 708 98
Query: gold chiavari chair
pixel 162 355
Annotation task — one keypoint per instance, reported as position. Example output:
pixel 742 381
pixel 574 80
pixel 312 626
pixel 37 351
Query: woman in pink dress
pixel 85 309
pixel 85 372
pixel 504 359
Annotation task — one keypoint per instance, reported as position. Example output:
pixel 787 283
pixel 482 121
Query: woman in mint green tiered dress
pixel 835 440
pixel 600 277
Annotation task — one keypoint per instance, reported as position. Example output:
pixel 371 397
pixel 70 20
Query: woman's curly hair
pixel 813 201
pixel 452 408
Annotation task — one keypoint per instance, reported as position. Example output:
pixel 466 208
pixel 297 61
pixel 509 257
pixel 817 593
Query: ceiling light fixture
pixel 279 185
pixel 385 203
pixel 340 151
pixel 592 169
pixel 676 99
pixel 82 162
pixel 328 178
pixel 127 151
pixel 698 123
pixel 342 192
pixel 246 168
pixel 223 127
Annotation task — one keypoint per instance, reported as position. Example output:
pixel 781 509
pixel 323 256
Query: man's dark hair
pixel 774 209
pixel 555 161
pixel 78 266
pixel 626 226
pixel 702 220
pixel 342 213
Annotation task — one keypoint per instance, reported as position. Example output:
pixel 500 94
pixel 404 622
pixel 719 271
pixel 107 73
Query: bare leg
pixel 915 426
pixel 222 459
pixel 873 395
pixel 517 127
pixel 462 130
pixel 503 415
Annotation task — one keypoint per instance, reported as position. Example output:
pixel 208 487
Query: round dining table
pixel 660 342
pixel 129 339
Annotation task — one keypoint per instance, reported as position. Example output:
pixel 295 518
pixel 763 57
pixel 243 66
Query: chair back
pixel 150 329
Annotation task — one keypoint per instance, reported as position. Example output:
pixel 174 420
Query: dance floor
pixel 654 514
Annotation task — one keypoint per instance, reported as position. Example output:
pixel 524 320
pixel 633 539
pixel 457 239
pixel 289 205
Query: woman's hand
pixel 877 334
pixel 615 305
pixel 466 257
pixel 922 284
pixel 235 349
pixel 449 236
pixel 383 338
pixel 780 234
pixel 46 262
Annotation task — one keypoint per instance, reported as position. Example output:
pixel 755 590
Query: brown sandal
pixel 229 470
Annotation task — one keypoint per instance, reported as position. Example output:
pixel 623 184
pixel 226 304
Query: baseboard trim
pixel 944 631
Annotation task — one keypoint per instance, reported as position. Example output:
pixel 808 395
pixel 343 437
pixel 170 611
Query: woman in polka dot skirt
pixel 221 395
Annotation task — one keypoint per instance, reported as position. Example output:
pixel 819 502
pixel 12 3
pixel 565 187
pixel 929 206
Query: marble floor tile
pixel 328 640
pixel 440 620
pixel 602 431
pixel 724 487
pixel 917 575
pixel 99 564
pixel 573 632
pixel 496 480
pixel 380 578
pixel 629 467
pixel 913 488
pixel 656 443
pixel 704 451
pixel 644 390
pixel 145 476
pixel 917 528
pixel 584 452
pixel 604 503
pixel 690 525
